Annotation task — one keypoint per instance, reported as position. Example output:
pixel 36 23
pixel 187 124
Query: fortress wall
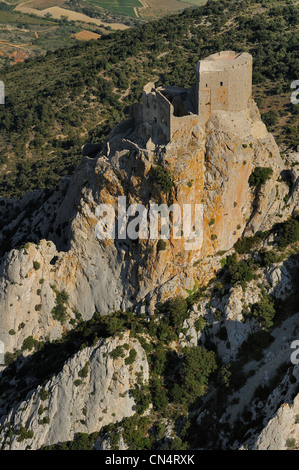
pixel 240 87
pixel 149 103
pixel 182 124
pixel 204 105
pixel 218 93
pixel 223 83
pixel 149 108
pixel 165 115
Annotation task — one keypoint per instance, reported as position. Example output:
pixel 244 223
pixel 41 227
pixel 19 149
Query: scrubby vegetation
pixel 163 178
pixel 59 312
pixel 263 311
pixel 259 176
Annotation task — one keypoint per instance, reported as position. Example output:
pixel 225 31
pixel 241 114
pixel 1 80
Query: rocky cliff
pixel 208 166
pixel 55 271
pixel 282 431
pixel 91 390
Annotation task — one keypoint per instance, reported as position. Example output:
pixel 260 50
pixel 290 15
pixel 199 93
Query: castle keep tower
pixel 223 83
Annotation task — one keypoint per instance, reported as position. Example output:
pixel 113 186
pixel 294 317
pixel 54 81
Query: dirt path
pixel 13 45
pixel 44 31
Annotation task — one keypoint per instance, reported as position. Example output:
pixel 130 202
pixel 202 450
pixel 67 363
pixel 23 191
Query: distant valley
pixel 31 28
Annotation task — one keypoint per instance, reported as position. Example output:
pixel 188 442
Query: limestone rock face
pixel 225 311
pixel 208 166
pixel 281 430
pixel 72 402
pixel 26 296
pixel 280 281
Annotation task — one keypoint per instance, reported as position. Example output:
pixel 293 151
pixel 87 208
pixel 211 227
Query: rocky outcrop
pixel 281 427
pixel 91 391
pixel 282 431
pixel 223 312
pixel 209 167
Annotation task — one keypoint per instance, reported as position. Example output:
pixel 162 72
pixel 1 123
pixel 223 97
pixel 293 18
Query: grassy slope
pixel 48 116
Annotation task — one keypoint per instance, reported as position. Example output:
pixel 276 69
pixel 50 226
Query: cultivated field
pixel 158 8
pixel 146 8
pixel 121 7
pixel 133 8
pixel 58 12
pixel 86 35
pixel 30 28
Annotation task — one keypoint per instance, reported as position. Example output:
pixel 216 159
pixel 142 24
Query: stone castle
pixel 223 82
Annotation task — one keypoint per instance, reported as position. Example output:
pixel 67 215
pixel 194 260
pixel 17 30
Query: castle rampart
pixel 223 82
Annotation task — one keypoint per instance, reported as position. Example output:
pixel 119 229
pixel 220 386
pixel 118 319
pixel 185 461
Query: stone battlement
pixel 223 82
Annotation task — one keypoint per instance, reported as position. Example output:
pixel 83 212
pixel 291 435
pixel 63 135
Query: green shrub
pixel 174 311
pixel 224 376
pixel 9 358
pixel 259 176
pixel 131 358
pixel 263 311
pixel 77 382
pixel 158 393
pixel 59 312
pixel 44 420
pixel 291 443
pixel 142 397
pixel 200 324
pixel 245 244
pixel 135 432
pixel 270 257
pixel 270 118
pixel 23 434
pixel 117 352
pixel 28 343
pixel 83 373
pixel 36 265
pixel 197 366
pixel 161 245
pixel 163 179
pixel 44 394
pixel 290 233
pixel 239 272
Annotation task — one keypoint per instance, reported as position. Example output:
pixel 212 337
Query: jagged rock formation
pixel 53 258
pixel 281 430
pixel 227 310
pixel 72 402
pixel 210 166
